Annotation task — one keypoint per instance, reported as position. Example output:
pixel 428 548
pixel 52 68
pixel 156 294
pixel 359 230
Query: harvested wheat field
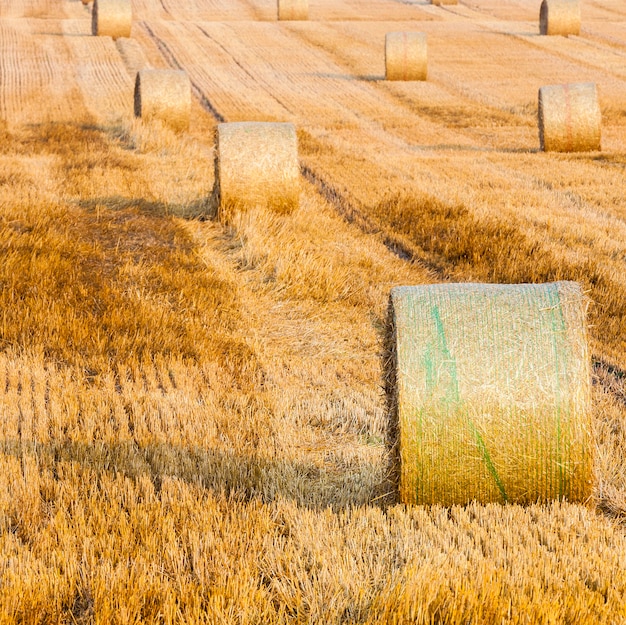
pixel 193 421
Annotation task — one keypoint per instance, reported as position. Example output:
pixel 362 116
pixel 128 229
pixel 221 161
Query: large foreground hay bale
pixel 257 165
pixel 569 118
pixel 165 95
pixel 406 56
pixel 559 17
pixel 112 18
pixel 491 385
pixel 293 9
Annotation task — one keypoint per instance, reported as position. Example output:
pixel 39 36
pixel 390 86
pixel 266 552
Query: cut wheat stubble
pixel 256 165
pixel 406 56
pixel 163 95
pixel 559 17
pixel 569 118
pixel 111 18
pixel 490 389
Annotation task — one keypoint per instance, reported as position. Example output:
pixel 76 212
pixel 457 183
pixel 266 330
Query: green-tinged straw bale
pixel 165 95
pixel 293 9
pixel 569 118
pixel 257 165
pixel 559 17
pixel 490 385
pixel 111 18
pixel 406 56
pixel 132 54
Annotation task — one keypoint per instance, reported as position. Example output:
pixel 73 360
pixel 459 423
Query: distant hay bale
pixel 256 165
pixel 406 56
pixel 86 1
pixel 132 55
pixel 165 95
pixel 111 18
pixel 569 118
pixel 491 388
pixel 559 17
pixel 293 9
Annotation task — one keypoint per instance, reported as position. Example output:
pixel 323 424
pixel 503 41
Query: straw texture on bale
pixel 559 17
pixel 491 388
pixel 569 118
pixel 111 18
pixel 293 9
pixel 165 95
pixel 406 56
pixel 256 165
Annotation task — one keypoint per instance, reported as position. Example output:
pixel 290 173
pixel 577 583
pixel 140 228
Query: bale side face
pixel 257 165
pixel 493 393
pixel 164 95
pixel 293 9
pixel 559 17
pixel 569 118
pixel 111 18
pixel 406 56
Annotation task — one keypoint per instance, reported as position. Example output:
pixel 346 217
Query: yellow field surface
pixel 193 427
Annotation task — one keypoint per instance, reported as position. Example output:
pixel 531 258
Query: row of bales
pixel 489 385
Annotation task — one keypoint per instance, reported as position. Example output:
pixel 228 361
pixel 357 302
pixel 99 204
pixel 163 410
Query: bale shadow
pixel 231 475
pixel 201 208
pixel 349 77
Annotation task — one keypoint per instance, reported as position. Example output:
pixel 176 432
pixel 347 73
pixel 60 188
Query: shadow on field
pixel 453 147
pixel 231 475
pixel 350 77
pixel 201 207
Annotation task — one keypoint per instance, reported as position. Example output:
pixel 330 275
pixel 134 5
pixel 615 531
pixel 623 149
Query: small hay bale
pixel 111 18
pixel 256 165
pixel 559 17
pixel 491 388
pixel 165 95
pixel 132 55
pixel 293 9
pixel 406 56
pixel 86 1
pixel 569 118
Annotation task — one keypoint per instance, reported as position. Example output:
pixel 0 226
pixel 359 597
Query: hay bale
pixel 111 18
pixel 569 118
pixel 293 9
pixel 406 56
pixel 491 388
pixel 440 2
pixel 85 2
pixel 256 165
pixel 559 17
pixel 165 95
pixel 132 55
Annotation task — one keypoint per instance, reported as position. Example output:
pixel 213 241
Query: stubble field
pixel 193 427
